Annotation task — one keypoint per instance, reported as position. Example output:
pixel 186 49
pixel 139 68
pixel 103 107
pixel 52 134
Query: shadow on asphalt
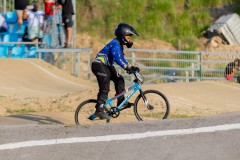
pixel 39 119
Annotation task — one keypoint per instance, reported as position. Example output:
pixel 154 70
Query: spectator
pixel 231 69
pixel 35 23
pixel 3 24
pixel 54 32
pixel 19 6
pixel 67 12
pixel 49 6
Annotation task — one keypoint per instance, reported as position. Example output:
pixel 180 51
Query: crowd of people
pixel 51 27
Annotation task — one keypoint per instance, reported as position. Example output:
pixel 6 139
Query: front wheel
pixel 151 105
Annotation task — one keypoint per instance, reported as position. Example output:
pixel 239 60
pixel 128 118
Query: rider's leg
pixel 119 83
pixel 103 75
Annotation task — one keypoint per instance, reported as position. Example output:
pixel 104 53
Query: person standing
pixel 231 69
pixel 19 6
pixel 67 13
pixel 49 6
pixel 3 24
pixel 35 19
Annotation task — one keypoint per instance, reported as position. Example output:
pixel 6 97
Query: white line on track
pixel 53 75
pixel 120 136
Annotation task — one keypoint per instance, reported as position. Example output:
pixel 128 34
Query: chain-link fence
pixel 159 66
pixel 75 61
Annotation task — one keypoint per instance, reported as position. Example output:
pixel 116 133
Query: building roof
pixel 228 27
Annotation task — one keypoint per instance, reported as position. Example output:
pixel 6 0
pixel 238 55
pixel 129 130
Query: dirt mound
pixel 34 78
pixel 42 91
pixel 193 99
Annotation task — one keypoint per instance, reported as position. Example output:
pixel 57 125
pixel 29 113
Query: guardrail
pixel 80 62
pixel 157 66
pixel 79 58
pixel 173 66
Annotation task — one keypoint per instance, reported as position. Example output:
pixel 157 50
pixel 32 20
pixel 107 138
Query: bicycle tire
pixel 86 108
pixel 161 107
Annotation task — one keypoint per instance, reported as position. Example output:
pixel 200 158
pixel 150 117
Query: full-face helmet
pixel 123 30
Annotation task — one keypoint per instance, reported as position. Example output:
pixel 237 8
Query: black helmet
pixel 123 30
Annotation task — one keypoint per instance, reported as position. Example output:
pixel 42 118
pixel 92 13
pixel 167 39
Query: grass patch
pixel 182 116
pixel 45 122
pixel 20 111
pixel 158 19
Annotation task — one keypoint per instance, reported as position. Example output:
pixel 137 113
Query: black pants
pixel 104 74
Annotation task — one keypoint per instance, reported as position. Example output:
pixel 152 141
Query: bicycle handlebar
pixel 138 77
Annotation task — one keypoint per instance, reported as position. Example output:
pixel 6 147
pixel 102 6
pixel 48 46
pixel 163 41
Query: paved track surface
pixel 215 138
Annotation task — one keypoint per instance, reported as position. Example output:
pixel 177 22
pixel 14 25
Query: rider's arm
pixel 118 56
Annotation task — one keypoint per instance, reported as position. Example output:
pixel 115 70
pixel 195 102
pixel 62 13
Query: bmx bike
pixel 148 105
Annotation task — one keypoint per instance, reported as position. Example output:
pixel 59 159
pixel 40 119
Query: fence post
pixel 73 63
pixel 193 70
pixel 40 53
pixel 133 58
pixel 5 7
pixel 78 64
pixel 187 76
pixel 200 65
pixel 89 66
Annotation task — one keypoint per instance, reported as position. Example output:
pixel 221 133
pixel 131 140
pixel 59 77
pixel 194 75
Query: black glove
pixel 132 70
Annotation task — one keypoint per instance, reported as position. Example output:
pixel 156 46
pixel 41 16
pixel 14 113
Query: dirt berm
pixel 32 90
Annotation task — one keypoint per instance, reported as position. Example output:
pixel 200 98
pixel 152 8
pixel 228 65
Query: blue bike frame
pixel 136 87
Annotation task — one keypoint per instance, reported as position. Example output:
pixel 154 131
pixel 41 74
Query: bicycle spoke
pixel 84 111
pixel 155 106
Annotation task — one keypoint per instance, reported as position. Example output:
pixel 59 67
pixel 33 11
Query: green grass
pixel 20 111
pixel 45 122
pixel 172 116
pixel 1 96
pixel 158 19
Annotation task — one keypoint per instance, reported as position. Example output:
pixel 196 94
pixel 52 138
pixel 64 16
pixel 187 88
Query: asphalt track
pixel 214 138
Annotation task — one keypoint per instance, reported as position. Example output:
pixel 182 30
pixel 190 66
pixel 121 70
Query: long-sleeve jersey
pixel 112 52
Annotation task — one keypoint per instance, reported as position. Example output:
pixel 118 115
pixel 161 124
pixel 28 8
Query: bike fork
pixel 148 105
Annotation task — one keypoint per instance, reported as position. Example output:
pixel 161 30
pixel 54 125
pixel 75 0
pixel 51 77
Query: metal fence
pixel 8 5
pixel 75 61
pixel 158 66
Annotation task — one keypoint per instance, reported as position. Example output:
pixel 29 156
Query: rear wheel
pixel 84 111
pixel 151 105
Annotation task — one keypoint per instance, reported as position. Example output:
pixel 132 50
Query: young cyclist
pixel 103 68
